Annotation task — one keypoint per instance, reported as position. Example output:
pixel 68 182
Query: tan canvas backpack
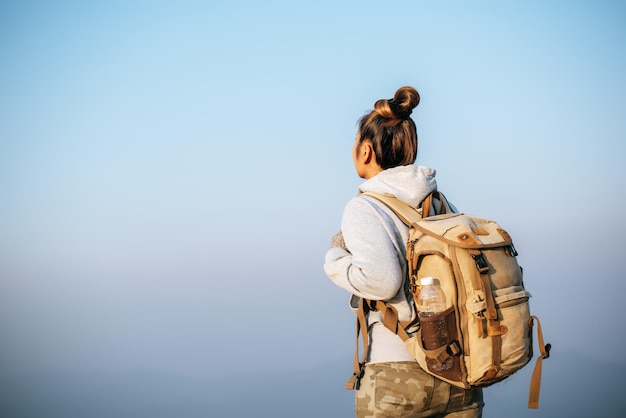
pixel 487 327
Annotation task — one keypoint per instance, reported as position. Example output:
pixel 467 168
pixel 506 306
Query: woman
pixel 367 258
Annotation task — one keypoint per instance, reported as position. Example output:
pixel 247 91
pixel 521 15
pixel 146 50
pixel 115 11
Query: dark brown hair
pixel 391 130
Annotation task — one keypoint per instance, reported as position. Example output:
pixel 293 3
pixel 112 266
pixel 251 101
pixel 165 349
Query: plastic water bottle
pixel 431 300
pixel 435 332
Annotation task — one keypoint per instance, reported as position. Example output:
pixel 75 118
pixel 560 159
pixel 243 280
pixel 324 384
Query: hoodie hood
pixel 409 183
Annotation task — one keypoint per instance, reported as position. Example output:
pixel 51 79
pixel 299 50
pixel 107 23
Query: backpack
pixel 486 333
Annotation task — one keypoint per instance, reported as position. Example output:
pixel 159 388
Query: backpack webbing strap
pixel 406 213
pixel 427 204
pixel 435 201
pixel 494 329
pixel 390 321
pixel 361 328
pixel 535 380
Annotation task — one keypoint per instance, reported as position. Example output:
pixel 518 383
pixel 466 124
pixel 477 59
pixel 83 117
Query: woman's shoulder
pixel 366 208
pixel 362 202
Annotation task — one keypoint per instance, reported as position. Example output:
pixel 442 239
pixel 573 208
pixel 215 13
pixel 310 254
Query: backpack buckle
pixel 413 284
pixel 358 377
pixel 481 263
pixel 511 251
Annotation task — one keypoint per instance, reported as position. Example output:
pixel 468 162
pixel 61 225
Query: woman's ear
pixel 367 152
pixel 365 160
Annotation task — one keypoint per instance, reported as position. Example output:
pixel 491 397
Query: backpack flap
pixel 465 231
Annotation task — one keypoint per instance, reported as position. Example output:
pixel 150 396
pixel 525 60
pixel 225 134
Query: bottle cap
pixel 427 281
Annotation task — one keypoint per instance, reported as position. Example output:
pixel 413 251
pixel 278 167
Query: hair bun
pixel 406 99
pixel 397 109
pixel 400 107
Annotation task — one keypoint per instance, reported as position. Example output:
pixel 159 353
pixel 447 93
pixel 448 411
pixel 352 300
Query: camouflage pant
pixel 403 389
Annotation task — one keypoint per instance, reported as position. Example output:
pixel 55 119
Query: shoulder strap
pixel 406 213
pixel 435 202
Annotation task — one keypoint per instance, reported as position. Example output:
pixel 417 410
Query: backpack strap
pixel 406 213
pixel 361 328
pixel 437 203
pixel 433 204
pixel 535 380
pixel 390 320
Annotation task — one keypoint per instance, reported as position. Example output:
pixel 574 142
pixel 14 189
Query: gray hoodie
pixel 373 265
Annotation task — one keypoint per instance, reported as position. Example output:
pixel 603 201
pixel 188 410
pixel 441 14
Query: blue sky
pixel 171 173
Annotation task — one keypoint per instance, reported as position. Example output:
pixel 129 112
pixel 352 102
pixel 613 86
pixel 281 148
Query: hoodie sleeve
pixel 370 266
